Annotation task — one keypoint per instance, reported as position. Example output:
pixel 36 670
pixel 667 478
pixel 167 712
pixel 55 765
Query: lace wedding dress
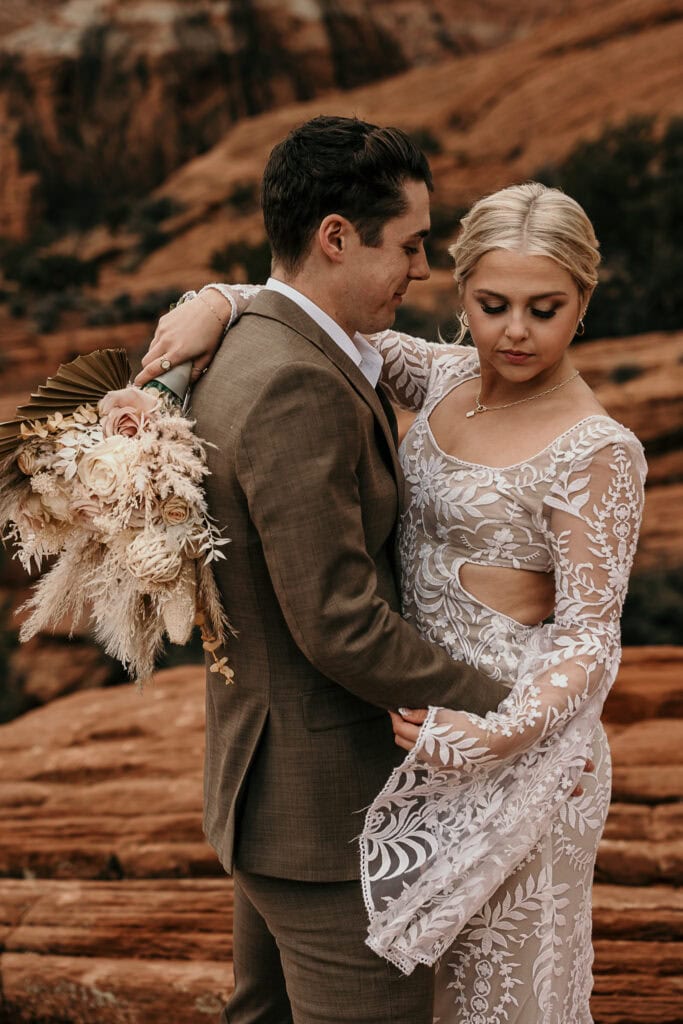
pixel 474 855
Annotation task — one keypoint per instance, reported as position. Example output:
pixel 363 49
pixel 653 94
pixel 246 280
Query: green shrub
pixel 426 140
pixel 625 372
pixel 244 196
pixel 252 260
pixel 629 183
pixel 156 210
pixel 151 239
pixel 653 610
pixel 47 310
pixel 444 227
pixel 124 310
pixel 49 273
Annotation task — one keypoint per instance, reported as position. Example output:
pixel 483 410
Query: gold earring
pixel 463 319
pixel 581 329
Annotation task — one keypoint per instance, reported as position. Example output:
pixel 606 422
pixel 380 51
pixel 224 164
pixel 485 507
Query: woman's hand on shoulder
pixel 192 330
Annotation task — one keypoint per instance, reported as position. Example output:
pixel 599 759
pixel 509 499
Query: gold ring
pixel 165 363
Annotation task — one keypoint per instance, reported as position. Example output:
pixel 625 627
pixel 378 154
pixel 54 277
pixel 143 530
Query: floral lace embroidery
pixel 473 851
pixel 408 364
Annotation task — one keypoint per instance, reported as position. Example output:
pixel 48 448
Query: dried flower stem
pixel 211 643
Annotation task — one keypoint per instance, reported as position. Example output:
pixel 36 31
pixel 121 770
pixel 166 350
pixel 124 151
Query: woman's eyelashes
pixel 542 314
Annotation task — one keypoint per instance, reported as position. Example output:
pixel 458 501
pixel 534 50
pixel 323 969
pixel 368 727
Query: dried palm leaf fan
pixel 81 382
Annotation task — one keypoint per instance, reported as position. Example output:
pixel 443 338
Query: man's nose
pixel 419 267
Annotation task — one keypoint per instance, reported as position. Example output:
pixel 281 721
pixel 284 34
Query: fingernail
pixel 404 711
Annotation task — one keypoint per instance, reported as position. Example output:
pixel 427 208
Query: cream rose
pixel 103 470
pixel 175 511
pixel 32 515
pixel 123 412
pixel 56 504
pixel 151 559
pixel 85 508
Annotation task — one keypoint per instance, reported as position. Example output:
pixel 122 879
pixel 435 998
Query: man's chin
pixel 381 323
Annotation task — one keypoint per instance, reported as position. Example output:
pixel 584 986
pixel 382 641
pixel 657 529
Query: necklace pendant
pixel 471 413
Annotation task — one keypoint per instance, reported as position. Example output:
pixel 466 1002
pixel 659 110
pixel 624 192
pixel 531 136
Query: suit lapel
pixel 275 306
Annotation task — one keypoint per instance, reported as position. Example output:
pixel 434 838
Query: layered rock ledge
pixel 114 910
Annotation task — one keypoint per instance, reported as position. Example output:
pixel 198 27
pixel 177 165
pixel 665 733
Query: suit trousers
pixel 300 958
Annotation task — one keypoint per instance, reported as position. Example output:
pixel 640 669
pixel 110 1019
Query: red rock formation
pixel 650 402
pixel 113 908
pixel 81 84
pixel 493 117
pixel 496 117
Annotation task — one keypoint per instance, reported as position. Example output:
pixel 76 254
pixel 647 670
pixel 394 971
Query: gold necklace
pixel 493 408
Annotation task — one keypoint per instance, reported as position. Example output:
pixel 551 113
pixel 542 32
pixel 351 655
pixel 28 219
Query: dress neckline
pixel 428 409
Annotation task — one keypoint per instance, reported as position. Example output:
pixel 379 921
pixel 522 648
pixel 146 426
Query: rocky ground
pixel 114 910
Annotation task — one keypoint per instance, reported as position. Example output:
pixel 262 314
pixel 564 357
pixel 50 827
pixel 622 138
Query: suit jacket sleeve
pixel 297 464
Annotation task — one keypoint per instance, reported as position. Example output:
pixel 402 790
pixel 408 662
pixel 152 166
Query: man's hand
pixel 189 331
pixel 407 723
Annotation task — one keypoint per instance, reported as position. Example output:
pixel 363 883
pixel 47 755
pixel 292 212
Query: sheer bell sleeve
pixel 408 364
pixel 474 795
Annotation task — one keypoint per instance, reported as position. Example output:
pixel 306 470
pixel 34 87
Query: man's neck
pixel 311 288
pixel 366 358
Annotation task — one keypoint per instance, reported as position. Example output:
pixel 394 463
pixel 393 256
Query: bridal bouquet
pixel 105 479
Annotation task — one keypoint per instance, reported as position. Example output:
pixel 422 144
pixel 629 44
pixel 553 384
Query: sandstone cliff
pixel 488 118
pixel 114 910
pixel 102 100
pixel 493 118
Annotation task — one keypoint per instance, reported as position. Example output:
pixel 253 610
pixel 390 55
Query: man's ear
pixel 333 236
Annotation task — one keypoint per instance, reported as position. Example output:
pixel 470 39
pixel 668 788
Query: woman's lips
pixel 516 357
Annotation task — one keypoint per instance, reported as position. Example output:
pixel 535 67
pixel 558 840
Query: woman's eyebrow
pixel 499 295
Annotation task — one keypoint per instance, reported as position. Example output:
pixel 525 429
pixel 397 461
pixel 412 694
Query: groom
pixel 306 481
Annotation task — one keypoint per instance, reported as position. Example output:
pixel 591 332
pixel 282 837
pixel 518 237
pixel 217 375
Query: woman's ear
pixel 333 236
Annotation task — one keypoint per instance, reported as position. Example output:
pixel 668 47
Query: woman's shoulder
pixel 451 365
pixel 596 432
pixel 453 362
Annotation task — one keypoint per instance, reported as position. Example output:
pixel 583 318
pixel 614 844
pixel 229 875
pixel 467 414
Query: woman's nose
pixel 516 329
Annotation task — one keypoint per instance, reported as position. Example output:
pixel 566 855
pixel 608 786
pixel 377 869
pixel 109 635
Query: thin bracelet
pixel 224 290
pixel 223 323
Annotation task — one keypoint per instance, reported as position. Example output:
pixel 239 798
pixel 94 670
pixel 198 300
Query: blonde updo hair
pixel 532 220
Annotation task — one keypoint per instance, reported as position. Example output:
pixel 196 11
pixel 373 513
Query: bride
pixel 523 500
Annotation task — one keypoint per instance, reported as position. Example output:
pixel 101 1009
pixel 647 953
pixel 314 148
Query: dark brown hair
pixel 336 165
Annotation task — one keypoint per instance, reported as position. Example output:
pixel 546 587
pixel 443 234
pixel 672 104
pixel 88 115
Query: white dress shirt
pixel 367 359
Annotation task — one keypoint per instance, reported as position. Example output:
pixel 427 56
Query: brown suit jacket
pixel 306 482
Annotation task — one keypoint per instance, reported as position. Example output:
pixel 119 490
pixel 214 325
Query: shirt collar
pixel 359 350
